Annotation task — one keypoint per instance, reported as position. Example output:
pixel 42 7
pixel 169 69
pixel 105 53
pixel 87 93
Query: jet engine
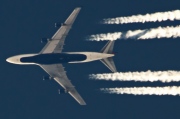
pixel 45 40
pixel 57 25
pixel 62 91
pixel 47 78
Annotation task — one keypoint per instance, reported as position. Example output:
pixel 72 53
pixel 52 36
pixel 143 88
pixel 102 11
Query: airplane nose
pixel 7 60
pixel 12 60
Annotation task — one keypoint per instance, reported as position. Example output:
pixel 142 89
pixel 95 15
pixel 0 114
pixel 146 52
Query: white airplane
pixel 51 57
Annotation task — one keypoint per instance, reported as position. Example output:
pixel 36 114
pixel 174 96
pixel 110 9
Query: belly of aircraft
pixel 54 58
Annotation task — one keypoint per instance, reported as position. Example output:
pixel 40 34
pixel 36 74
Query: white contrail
pixel 158 16
pixel 168 90
pixel 160 32
pixel 163 76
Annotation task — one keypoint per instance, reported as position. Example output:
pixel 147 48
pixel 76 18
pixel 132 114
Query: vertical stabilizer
pixel 108 49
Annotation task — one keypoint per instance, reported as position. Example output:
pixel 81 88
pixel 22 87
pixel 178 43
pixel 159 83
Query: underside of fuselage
pixel 54 58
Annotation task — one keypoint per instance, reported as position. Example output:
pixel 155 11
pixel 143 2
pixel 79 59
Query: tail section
pixel 108 49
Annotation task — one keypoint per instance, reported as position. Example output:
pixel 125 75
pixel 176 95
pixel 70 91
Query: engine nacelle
pixel 45 40
pixel 57 25
pixel 62 91
pixel 47 78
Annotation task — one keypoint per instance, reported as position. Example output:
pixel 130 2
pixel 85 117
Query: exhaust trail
pixel 153 17
pixel 163 76
pixel 168 90
pixel 160 32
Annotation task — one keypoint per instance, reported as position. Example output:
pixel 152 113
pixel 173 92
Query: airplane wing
pixel 55 44
pixel 57 72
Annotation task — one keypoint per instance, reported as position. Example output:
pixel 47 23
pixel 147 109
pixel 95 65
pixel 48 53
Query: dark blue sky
pixel 25 95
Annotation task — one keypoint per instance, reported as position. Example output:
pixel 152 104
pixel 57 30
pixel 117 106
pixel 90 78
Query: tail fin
pixel 108 49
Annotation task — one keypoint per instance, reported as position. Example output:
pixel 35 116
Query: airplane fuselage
pixel 56 58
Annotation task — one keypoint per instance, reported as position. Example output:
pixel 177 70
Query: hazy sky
pixel 24 95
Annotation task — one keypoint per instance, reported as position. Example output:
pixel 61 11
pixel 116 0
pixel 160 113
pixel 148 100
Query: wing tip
pixel 83 104
pixel 78 8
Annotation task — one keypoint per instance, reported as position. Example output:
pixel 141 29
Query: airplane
pixel 51 58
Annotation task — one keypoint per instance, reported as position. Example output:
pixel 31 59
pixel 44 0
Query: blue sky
pixel 25 95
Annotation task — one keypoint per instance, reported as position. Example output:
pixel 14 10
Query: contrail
pixel 153 17
pixel 163 76
pixel 160 32
pixel 168 90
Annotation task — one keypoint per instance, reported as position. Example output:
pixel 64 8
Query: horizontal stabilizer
pixel 108 48
pixel 109 63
